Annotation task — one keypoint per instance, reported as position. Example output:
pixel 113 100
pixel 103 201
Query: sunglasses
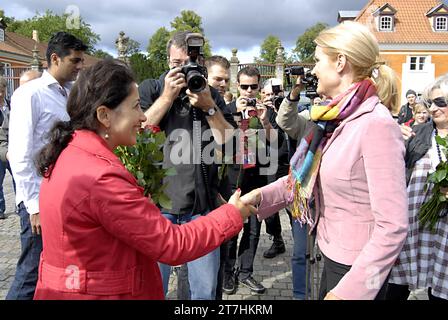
pixel 246 86
pixel 439 102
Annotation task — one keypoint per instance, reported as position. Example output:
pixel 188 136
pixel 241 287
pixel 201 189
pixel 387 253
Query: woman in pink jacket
pixel 351 158
pixel 102 238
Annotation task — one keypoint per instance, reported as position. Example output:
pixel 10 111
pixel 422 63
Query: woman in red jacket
pixel 102 238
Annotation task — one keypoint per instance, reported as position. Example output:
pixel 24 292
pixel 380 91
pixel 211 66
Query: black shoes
pixel 229 286
pixel 274 250
pixel 2 216
pixel 253 285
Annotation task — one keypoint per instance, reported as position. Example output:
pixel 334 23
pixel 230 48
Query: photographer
pixel 249 177
pixel 272 96
pixel 173 107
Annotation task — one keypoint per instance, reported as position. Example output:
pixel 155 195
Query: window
pixel 2 35
pixel 417 63
pixel 441 24
pixel 386 23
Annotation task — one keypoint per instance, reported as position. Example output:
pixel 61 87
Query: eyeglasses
pixel 246 86
pixel 439 102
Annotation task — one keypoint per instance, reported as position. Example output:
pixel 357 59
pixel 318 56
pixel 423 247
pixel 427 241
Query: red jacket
pixel 102 238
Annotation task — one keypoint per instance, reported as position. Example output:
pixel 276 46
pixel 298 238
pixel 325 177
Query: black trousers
pixel 400 292
pixel 333 273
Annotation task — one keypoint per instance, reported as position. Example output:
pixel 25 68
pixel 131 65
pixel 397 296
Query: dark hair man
pixel 183 114
pixel 35 107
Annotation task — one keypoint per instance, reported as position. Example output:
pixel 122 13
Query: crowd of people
pixel 349 171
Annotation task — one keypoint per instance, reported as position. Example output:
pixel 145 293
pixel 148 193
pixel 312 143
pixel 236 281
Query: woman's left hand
pixel 331 296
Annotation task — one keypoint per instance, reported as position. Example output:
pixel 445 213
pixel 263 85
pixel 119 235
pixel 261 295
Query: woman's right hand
pixel 406 132
pixel 246 210
pixel 252 198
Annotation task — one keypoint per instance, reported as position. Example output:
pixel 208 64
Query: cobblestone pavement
pixel 275 274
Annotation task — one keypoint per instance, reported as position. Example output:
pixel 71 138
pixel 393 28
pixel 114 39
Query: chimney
pixel 36 36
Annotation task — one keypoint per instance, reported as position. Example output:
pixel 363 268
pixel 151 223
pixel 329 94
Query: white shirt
pixel 35 107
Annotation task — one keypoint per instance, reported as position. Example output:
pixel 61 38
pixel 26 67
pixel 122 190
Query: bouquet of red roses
pixel 144 161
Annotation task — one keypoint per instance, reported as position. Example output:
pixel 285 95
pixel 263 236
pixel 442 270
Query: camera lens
pixel 196 81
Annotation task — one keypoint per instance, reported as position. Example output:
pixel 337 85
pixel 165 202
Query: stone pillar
pixel 280 64
pixel 122 47
pixel 35 63
pixel 234 62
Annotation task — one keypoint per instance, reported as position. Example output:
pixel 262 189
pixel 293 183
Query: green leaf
pixel 165 202
pixel 442 198
pixel 440 175
pixel 441 141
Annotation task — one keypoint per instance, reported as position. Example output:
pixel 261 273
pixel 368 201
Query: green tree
pixel 133 47
pixel 268 50
pixel 187 21
pixel 190 21
pixel 157 51
pixel 11 22
pixel 98 53
pixel 305 45
pixel 49 23
pixel 142 67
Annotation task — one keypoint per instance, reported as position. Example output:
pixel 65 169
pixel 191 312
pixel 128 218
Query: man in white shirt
pixel 35 107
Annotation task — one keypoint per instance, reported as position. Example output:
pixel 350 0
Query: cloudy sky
pixel 242 24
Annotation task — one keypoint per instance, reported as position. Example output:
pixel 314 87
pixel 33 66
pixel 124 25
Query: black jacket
pixel 405 114
pixel 417 146
pixel 194 188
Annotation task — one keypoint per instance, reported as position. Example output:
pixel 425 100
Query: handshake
pixel 247 203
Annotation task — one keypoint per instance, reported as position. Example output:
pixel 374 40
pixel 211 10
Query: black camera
pixel 195 74
pixel 277 99
pixel 294 71
pixel 251 102
pixel 309 80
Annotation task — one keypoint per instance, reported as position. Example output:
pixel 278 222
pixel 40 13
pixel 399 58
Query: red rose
pixel 154 129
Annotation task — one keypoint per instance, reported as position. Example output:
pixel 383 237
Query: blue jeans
pixel 25 280
pixel 298 260
pixel 202 272
pixel 3 167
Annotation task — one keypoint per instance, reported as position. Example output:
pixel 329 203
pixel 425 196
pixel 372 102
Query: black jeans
pixel 273 225
pixel 333 273
pixel 401 292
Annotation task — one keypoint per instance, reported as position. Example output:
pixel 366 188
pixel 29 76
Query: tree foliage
pixel 187 21
pixel 48 23
pixel 157 51
pixel 268 50
pixel 98 53
pixel 305 45
pixel 142 67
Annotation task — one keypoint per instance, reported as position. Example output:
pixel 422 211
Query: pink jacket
pixel 102 238
pixel 361 218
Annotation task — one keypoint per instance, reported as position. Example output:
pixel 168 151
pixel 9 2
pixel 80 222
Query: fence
pixel 12 76
pixel 267 71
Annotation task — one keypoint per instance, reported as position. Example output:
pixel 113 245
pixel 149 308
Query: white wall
pixel 415 79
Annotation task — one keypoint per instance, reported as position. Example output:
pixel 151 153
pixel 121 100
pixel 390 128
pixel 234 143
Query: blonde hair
pixel 418 108
pixel 361 49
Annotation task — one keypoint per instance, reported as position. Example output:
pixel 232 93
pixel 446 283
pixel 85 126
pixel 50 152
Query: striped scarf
pixel 305 163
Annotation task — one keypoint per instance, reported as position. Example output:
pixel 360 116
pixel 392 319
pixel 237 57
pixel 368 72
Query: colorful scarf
pixel 305 163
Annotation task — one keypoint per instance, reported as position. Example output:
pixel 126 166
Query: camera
pixel 309 80
pixel 277 99
pixel 195 74
pixel 251 102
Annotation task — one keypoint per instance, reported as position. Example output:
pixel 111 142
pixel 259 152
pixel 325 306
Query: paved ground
pixel 275 274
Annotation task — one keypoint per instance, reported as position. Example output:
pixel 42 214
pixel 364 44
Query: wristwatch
pixel 211 111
